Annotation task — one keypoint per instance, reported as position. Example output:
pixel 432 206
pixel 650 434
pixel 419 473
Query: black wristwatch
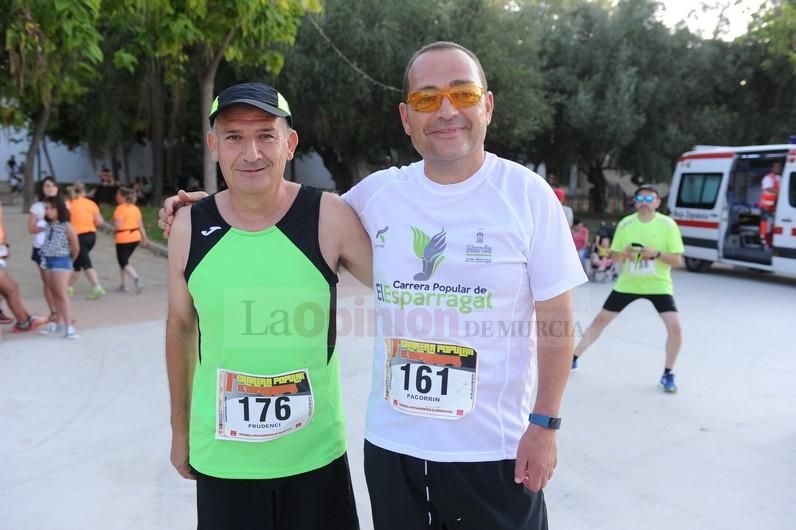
pixel 548 422
pixel 658 255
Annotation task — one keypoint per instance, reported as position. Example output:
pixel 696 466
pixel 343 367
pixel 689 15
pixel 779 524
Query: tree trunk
pixel 206 85
pixel 157 113
pixel 126 160
pixel 47 156
pixel 28 187
pixel 206 74
pixel 173 139
pixel 597 193
pixel 341 172
pixel 115 164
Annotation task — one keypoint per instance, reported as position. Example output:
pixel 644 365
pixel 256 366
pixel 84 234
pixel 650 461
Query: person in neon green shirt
pixel 649 245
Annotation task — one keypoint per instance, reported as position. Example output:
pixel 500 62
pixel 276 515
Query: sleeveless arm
pixel 181 341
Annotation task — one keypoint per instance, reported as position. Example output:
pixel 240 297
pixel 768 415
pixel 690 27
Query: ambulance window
pixel 698 190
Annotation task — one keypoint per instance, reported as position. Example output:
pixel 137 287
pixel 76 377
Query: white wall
pixel 311 171
pixel 69 165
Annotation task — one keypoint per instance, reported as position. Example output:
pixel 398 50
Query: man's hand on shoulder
pixel 172 204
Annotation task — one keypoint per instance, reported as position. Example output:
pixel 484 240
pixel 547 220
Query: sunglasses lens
pixel 425 101
pixel 460 96
pixel 466 96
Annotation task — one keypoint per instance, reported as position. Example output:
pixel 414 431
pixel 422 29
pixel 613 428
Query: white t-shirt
pixel 37 209
pixel 456 271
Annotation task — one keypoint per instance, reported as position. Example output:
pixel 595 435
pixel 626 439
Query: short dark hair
pixel 440 45
pixel 58 203
pixel 647 187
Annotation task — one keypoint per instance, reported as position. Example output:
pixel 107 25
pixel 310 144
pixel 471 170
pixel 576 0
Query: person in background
pixel 4 319
pixel 769 192
pixel 11 164
pixel 649 243
pixel 85 217
pixel 37 225
pixel 580 235
pixel 105 176
pixel 129 226
pixel 9 290
pixel 561 196
pixel 58 251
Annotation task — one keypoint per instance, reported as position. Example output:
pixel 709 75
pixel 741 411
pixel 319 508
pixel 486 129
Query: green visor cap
pixel 259 95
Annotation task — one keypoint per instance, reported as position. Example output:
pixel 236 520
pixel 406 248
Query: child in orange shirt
pixel 129 232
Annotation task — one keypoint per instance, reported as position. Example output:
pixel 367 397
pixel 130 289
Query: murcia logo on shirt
pixel 429 250
pixel 210 230
pixel 379 240
pixel 479 252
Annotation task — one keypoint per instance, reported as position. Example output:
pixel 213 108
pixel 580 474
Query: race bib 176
pixel 261 408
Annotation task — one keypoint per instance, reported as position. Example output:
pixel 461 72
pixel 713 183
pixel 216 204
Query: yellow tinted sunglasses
pixel 460 96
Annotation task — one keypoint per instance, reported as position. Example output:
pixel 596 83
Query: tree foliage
pixel 596 84
pixel 347 67
pixel 51 50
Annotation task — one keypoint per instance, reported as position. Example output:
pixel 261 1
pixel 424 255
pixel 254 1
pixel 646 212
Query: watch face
pixel 555 423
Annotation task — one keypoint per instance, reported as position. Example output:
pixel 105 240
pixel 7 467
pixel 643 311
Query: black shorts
pixel 617 301
pixel 86 242
pixel 408 493
pixel 319 499
pixel 123 253
pixel 35 256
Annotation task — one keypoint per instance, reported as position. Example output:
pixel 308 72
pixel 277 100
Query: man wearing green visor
pixel 256 409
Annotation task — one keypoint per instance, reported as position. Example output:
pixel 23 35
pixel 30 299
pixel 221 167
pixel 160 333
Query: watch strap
pixel 548 422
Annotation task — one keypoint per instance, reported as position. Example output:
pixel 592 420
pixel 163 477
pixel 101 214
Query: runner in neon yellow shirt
pixel 649 244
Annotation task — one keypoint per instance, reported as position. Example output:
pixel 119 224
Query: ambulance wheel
pixel 697 265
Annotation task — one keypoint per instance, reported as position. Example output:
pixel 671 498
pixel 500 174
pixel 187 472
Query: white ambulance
pixel 714 196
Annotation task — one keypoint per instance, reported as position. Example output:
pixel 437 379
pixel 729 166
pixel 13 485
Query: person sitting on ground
pixel 9 290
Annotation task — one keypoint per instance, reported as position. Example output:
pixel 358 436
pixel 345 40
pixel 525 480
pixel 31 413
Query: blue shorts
pixel 56 263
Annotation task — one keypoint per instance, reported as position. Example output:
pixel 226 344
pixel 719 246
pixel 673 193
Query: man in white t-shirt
pixel 473 269
pixel 475 252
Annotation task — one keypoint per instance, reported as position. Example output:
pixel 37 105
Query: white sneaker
pixel 139 285
pixel 71 333
pixel 51 329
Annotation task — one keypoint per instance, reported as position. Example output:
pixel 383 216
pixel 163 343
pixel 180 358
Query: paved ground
pixel 85 431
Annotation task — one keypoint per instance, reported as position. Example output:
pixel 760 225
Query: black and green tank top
pixel 266 399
